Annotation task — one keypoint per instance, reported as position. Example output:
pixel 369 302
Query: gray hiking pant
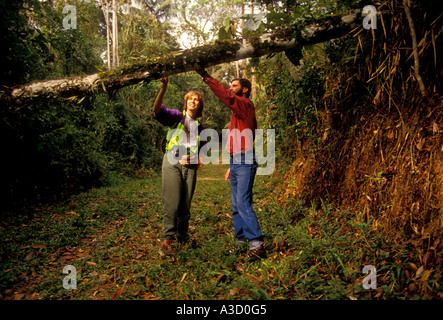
pixel 178 185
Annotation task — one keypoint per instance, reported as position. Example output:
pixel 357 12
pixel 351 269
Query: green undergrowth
pixel 111 236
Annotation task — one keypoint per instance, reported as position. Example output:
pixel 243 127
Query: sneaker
pixel 256 254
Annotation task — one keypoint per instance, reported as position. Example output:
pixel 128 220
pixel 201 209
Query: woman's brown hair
pixel 200 99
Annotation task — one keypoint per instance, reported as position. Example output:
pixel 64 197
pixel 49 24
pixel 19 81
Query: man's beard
pixel 239 93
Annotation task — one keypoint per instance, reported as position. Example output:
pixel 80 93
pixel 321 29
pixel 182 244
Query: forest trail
pixel 358 149
pixel 111 236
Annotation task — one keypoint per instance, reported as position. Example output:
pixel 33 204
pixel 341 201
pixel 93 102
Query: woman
pixel 180 163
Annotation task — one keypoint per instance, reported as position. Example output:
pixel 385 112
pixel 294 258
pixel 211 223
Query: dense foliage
pixel 355 126
pixel 58 147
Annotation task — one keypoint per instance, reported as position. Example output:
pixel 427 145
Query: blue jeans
pixel 242 173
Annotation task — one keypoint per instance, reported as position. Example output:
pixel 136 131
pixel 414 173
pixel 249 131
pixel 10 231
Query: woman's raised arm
pixel 159 100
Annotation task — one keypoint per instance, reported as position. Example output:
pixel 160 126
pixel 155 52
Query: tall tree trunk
pixel 108 40
pixel 243 62
pixel 253 81
pixel 115 61
pixel 183 61
pixel 116 39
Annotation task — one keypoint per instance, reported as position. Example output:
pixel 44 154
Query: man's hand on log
pixel 201 71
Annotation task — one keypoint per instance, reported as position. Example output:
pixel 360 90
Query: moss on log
pixel 182 61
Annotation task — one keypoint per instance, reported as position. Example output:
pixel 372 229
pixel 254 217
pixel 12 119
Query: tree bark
pixel 108 40
pixel 115 60
pixel 183 61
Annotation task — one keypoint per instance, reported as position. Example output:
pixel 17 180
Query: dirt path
pixel 115 239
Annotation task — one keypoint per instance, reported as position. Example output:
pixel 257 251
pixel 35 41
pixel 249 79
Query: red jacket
pixel 243 117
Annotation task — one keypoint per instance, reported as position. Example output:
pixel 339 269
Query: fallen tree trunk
pixel 183 61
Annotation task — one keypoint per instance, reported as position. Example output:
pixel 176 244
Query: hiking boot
pixel 187 243
pixel 232 251
pixel 166 247
pixel 237 249
pixel 256 254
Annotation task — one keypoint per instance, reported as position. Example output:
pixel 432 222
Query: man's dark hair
pixel 245 83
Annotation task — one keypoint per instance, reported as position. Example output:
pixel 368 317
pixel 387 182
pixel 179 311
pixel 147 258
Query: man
pixel 243 164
